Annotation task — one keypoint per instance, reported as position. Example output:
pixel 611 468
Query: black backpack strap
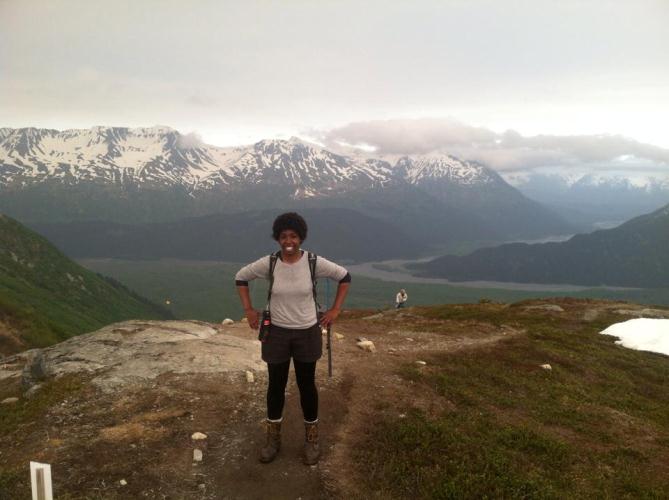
pixel 272 264
pixel 314 281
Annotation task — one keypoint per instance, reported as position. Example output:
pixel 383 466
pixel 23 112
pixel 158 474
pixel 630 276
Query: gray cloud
pixel 507 151
pixel 189 141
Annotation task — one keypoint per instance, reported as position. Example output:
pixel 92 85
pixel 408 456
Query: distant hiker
pixel 401 298
pixel 290 325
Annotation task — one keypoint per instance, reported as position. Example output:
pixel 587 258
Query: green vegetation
pixel 595 426
pixel 45 297
pixel 206 291
pixel 14 482
pixel 30 409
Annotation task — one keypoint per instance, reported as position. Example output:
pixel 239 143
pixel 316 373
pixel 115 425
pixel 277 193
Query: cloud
pixel 189 141
pixel 507 151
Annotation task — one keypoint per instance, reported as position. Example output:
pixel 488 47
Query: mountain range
pixel 594 199
pixel 633 254
pixel 151 175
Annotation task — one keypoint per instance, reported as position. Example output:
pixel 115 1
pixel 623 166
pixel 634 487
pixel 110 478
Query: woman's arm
pixel 331 314
pixel 251 314
pixel 257 269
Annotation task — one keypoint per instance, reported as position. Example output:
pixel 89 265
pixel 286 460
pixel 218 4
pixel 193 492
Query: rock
pixel 545 307
pixel 32 391
pixel 547 367
pixel 123 482
pixel 409 339
pixel 421 363
pixel 366 345
pixel 197 455
pixel 227 321
pixel 361 339
pixel 35 369
pixel 202 486
pixel 134 353
pixel 339 336
pixel 198 436
pixel 643 313
pixel 9 401
pixel 590 315
pixel 244 320
pixel 250 378
pixel 374 316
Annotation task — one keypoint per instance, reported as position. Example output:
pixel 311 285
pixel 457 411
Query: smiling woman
pixel 291 325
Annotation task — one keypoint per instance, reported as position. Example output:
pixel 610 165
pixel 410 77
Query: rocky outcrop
pixel 137 352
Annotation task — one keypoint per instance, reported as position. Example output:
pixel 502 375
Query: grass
pixel 29 410
pixel 595 426
pixel 18 418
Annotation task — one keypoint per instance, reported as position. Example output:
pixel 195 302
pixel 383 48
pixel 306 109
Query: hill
pixel 479 417
pixel 338 233
pixel 633 254
pixel 45 297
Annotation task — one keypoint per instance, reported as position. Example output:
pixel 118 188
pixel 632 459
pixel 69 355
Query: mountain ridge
pixel 633 254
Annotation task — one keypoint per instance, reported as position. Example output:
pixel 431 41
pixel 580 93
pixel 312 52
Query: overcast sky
pixel 236 72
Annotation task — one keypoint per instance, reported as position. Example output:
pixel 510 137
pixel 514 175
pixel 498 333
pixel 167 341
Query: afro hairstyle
pixel 289 220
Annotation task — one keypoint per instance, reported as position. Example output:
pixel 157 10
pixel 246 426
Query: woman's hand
pixel 252 317
pixel 329 317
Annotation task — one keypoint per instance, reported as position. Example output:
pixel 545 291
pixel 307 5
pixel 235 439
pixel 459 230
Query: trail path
pixel 142 434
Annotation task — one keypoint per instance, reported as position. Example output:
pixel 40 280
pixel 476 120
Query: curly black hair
pixel 289 220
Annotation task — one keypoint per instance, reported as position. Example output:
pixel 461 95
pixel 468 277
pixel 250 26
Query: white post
pixel 40 478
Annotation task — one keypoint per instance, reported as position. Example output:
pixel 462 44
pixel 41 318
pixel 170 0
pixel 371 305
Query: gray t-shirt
pixel 292 304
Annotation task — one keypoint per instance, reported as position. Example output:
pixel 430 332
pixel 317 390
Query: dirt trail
pixel 94 441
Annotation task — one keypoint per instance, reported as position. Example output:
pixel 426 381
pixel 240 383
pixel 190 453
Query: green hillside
pixel 633 254
pixel 45 297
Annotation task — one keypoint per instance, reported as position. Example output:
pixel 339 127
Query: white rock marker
pixel 367 345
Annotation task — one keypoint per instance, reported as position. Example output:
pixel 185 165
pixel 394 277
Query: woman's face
pixel 289 241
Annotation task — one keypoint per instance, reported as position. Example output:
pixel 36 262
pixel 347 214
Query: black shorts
pixel 304 345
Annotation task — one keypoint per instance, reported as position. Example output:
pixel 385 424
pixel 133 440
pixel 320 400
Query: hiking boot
pixel 273 444
pixel 311 448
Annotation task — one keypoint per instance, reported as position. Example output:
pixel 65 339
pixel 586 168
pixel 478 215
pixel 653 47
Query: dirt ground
pixel 143 435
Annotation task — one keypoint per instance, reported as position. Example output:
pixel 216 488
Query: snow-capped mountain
pixel 157 174
pixel 593 197
pixel 445 168
pixel 161 156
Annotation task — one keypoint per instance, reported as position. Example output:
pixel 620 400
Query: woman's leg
pixel 305 374
pixel 276 389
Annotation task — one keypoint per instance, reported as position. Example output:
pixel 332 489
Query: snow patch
pixel 642 334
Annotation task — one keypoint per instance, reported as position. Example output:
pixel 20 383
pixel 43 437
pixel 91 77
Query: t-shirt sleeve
pixel 327 269
pixel 257 269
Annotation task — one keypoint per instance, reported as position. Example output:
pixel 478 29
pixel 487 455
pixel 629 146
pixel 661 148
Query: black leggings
pixel 305 374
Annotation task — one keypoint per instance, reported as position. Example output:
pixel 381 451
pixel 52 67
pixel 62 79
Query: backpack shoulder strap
pixel 272 264
pixel 314 281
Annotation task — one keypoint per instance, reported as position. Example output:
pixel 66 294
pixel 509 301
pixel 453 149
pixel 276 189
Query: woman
pixel 295 331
